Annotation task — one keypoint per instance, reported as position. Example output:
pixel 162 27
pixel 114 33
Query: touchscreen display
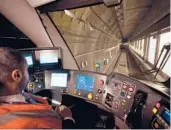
pixel 59 80
pixel 85 82
pixel 29 60
pixel 48 57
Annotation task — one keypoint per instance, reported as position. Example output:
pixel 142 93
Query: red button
pixel 124 86
pixel 115 106
pixel 100 82
pixel 156 125
pixel 131 89
pixel 158 105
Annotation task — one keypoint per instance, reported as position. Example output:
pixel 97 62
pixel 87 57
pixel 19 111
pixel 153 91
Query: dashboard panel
pixel 130 100
pixel 89 86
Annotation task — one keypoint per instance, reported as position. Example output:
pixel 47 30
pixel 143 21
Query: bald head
pixel 13 68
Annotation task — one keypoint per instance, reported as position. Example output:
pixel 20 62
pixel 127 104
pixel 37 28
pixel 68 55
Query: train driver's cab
pixel 96 100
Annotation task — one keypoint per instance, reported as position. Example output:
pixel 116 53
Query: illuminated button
pixel 156 125
pixel 131 89
pixel 79 93
pixel 97 97
pixel 31 86
pixel 123 103
pixel 115 106
pixel 100 82
pixel 90 96
pixel 39 86
pixel 36 80
pixel 124 86
pixel 99 91
pixel 154 110
pixel 158 105
pixel 128 96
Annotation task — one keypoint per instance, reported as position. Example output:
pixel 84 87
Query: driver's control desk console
pixel 123 96
pixel 130 100
pixel 116 95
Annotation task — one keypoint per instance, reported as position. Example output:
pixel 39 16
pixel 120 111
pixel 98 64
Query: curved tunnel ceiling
pixel 98 27
pixel 93 28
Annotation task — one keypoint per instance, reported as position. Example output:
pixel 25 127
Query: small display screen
pixel 85 82
pixel 59 80
pixel 29 60
pixel 166 116
pixel 48 57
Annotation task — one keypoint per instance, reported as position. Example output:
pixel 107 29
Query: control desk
pixel 130 100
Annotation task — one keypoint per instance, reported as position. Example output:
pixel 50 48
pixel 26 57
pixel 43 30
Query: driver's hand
pixel 64 111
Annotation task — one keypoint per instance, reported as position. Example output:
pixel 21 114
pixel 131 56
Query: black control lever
pixel 134 119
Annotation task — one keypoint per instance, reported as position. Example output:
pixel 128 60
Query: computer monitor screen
pixel 59 79
pixel 85 82
pixel 48 57
pixel 29 60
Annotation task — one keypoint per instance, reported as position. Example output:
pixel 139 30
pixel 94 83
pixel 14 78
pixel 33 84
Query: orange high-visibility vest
pixel 29 116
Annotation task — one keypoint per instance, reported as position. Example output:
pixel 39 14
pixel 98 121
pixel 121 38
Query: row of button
pixel 124 94
pixel 125 86
pixel 89 95
pixel 128 87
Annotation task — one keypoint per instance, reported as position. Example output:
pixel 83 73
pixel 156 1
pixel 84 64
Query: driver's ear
pixel 17 75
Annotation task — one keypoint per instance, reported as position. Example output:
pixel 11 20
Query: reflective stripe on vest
pixel 7 117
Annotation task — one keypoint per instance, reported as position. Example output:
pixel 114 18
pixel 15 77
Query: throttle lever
pixel 134 118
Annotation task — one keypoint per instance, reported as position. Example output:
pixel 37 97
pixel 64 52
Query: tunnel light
pixel 86 63
pixel 70 14
pixel 90 27
pixel 82 65
pixel 111 48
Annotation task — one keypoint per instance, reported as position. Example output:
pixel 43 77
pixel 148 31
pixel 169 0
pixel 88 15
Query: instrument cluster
pixel 89 86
